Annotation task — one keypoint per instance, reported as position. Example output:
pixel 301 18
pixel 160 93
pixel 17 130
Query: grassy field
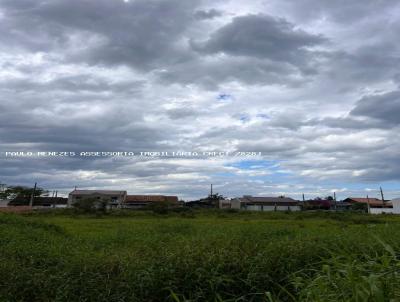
pixel 199 256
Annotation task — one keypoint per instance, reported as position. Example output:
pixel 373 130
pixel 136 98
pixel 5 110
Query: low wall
pixel 17 209
pixel 381 210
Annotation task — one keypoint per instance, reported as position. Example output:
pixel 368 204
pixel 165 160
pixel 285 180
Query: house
pixel 248 202
pixel 141 201
pixel 40 201
pixel 113 198
pixel 372 202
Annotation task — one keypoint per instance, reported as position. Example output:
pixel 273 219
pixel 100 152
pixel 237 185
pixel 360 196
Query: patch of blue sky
pixel 244 118
pixel 224 97
pixel 250 164
pixel 263 116
pixel 272 167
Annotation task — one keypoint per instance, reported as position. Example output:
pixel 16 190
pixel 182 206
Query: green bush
pixel 91 205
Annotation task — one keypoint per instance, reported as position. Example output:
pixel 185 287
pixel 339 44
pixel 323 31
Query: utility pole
pixel 369 208
pixel 383 199
pixel 54 200
pixel 33 195
pixel 211 191
pixel 334 198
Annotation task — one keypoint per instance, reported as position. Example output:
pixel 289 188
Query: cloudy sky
pixel 311 84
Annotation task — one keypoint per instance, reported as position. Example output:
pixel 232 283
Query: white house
pixel 396 205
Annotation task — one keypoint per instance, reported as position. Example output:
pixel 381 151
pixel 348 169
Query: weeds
pixel 214 256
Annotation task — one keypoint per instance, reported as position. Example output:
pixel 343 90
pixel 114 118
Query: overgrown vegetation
pixel 90 206
pixel 213 256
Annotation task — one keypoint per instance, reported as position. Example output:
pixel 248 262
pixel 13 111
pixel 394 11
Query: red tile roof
pixel 375 202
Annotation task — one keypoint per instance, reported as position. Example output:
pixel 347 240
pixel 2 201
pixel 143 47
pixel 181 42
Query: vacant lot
pixel 199 256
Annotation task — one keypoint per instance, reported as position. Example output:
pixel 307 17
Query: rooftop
pixel 92 192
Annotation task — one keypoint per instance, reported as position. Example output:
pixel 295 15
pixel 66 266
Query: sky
pixel 310 86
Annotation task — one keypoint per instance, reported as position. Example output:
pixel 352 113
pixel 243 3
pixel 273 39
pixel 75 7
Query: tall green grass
pixel 199 256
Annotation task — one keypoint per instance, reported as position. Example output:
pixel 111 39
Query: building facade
pixel 113 198
pixel 142 201
pixel 251 203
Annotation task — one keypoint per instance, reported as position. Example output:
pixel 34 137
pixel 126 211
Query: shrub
pixel 159 208
pixel 360 207
pixel 91 205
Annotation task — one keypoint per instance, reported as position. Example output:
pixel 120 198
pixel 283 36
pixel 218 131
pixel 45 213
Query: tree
pixel 22 192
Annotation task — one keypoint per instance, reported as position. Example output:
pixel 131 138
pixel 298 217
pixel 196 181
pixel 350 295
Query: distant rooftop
pixel 91 192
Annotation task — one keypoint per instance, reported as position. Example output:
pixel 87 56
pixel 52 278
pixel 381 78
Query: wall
pixel 272 208
pixel 396 206
pixel 380 210
pixel 3 203
pixel 235 204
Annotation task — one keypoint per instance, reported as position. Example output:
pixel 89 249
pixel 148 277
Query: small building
pixel 141 201
pixel 224 204
pixel 251 203
pixel 114 198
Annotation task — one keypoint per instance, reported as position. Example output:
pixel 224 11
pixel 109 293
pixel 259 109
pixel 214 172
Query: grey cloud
pixel 263 37
pixel 73 83
pixel 62 88
pixel 347 122
pixel 341 11
pixel 211 74
pixel 384 107
pixel 143 34
pixel 207 14
pixel 379 111
pixel 183 113
pixel 364 66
